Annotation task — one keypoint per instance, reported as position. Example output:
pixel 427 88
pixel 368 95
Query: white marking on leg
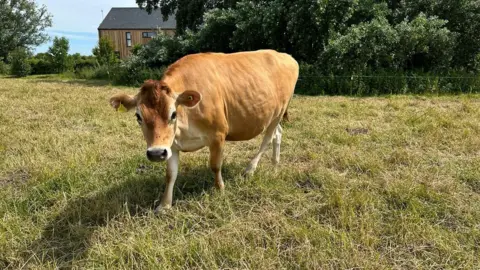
pixel 277 140
pixel 266 141
pixel 172 172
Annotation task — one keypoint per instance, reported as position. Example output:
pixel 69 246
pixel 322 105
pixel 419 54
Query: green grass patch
pixel 375 183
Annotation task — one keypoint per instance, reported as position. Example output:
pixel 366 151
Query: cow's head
pixel 156 113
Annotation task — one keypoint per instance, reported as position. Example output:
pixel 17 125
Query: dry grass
pixel 374 183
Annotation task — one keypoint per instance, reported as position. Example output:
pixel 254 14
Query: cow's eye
pixel 139 119
pixel 174 116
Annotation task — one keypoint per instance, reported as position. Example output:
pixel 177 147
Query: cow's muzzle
pixel 158 154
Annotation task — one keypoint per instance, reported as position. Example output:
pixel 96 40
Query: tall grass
pixel 313 81
pixel 119 75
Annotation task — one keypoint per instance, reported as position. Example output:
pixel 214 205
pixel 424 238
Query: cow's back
pixel 242 92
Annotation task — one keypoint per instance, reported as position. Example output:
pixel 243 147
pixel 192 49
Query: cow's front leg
pixel 216 160
pixel 172 172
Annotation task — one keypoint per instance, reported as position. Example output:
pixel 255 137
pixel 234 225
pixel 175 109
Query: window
pixel 148 34
pixel 129 39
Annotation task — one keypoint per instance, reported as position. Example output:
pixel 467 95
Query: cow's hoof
pixel 248 173
pixel 275 162
pixel 161 209
pixel 220 188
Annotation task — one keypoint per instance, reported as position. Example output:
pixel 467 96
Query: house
pixel 127 27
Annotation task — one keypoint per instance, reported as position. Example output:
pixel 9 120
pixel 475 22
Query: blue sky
pixel 78 21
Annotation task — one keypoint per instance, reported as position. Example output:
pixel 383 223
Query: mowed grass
pixel 373 183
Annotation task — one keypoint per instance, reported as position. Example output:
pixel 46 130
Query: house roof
pixel 136 18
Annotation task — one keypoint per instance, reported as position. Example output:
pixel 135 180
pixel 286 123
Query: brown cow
pixel 208 98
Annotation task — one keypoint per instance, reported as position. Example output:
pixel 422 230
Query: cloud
pixel 74 35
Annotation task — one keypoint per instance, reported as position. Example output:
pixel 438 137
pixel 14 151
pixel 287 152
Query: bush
pixel 42 63
pixel 103 73
pixel 40 66
pixel 136 48
pixel 95 73
pixel 85 63
pixel 20 65
pixel 85 73
pixel 122 74
pixel 424 43
pixel 139 77
pixel 162 50
pixel 130 73
pixel 4 68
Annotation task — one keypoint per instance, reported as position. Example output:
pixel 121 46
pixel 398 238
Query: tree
pixel 18 59
pixel 104 52
pixel 59 54
pixel 22 24
pixel 217 31
pixel 188 13
pixel 341 36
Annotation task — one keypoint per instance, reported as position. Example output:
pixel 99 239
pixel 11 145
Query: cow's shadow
pixel 67 236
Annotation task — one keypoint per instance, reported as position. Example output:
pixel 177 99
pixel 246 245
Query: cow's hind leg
pixel 277 140
pixel 267 139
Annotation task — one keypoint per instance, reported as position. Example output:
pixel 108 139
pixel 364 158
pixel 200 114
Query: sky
pixel 78 21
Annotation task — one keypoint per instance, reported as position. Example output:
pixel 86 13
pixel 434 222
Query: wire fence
pixel 365 85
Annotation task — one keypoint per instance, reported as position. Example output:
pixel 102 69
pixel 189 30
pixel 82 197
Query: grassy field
pixel 373 183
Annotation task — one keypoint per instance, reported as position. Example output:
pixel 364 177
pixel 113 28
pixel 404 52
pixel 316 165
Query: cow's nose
pixel 157 154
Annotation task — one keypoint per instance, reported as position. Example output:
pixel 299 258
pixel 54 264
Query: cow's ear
pixel 123 101
pixel 189 98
